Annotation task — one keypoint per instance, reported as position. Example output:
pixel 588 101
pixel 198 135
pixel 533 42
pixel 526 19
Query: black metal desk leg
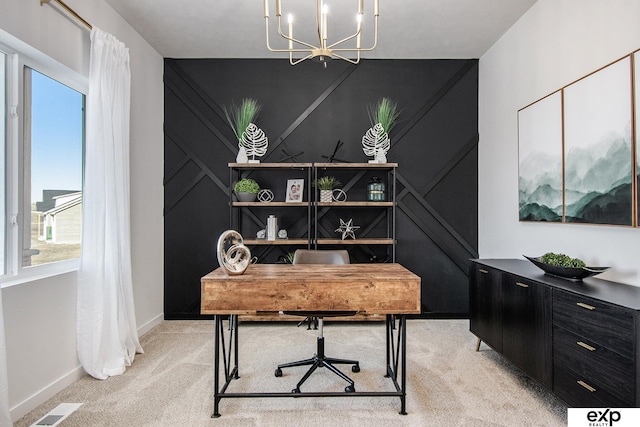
pixel 217 320
pixel 403 333
pixel 389 341
pixel 234 319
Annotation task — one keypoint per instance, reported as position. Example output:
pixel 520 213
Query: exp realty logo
pixel 603 417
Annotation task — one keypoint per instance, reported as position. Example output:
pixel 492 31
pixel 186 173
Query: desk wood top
pixel 366 288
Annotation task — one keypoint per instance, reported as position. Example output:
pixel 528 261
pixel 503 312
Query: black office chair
pixel 320 360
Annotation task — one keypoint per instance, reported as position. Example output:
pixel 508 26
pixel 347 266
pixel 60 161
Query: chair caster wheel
pixel 350 389
pixel 355 368
pixel 295 391
pixel 278 372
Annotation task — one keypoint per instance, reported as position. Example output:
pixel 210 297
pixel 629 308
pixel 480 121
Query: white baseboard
pixel 37 399
pixel 143 329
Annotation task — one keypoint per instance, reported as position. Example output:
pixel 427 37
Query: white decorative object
pixel 255 142
pixel 261 234
pixel 265 195
pixel 339 195
pixel 233 256
pixel 242 155
pixel 347 229
pixel 282 234
pixel 272 227
pixel 241 119
pixel 376 143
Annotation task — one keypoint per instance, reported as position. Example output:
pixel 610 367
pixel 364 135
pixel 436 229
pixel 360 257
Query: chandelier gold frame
pixel 323 49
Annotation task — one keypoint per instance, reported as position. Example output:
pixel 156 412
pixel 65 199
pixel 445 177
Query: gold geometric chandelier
pixel 322 50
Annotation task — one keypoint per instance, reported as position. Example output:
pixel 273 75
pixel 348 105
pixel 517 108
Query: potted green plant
pixel 239 118
pixel 326 184
pixel 246 190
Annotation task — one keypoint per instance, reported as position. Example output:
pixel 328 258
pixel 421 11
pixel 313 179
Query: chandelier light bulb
pixel 290 18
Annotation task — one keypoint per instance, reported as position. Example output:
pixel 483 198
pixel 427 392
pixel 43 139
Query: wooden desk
pixel 388 289
pixel 367 288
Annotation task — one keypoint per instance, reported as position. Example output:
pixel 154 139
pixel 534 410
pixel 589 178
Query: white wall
pixel 552 45
pixel 40 316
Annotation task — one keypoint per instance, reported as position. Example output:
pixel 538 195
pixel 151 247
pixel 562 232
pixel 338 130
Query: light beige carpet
pixel 448 382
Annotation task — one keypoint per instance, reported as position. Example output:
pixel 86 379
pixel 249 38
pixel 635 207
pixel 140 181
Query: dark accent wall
pixel 307 109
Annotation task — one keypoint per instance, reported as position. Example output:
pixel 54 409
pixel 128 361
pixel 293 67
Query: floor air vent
pixel 57 414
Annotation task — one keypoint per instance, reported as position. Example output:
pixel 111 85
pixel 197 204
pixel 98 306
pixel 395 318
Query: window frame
pixel 19 56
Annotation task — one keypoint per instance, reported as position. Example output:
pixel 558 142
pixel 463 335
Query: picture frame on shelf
pixel 295 191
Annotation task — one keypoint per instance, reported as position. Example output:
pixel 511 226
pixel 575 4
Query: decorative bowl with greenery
pixel 562 260
pixel 246 190
pixel 561 265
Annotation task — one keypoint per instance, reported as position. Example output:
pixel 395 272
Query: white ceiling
pixel 408 29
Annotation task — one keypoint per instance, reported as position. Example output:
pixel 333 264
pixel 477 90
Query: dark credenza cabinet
pixel 578 339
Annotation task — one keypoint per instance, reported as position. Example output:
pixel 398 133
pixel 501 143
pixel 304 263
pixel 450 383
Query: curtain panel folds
pixel 106 325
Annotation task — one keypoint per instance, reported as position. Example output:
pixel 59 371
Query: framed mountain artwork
pixel 540 160
pixel 598 150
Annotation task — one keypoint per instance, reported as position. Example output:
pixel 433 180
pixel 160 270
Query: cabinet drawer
pixel 579 391
pixel 596 363
pixel 602 323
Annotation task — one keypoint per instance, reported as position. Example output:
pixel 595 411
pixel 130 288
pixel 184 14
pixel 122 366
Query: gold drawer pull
pixel 587 386
pixel 482 270
pixel 523 285
pixel 587 306
pixel 585 345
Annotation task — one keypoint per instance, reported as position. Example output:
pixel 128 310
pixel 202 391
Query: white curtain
pixel 106 325
pixel 5 416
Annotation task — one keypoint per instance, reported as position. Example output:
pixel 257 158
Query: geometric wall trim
pixel 306 110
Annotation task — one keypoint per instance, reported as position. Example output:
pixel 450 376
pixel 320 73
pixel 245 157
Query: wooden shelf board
pixel 356 165
pixel 320 204
pixel 363 241
pixel 270 165
pixel 355 204
pixel 270 204
pixel 264 242
pixel 293 165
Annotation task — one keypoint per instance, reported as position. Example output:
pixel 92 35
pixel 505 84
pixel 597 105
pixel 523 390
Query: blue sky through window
pixel 56 136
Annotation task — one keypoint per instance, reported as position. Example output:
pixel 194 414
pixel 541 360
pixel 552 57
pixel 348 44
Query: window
pixel 3 133
pixel 41 163
pixel 52 168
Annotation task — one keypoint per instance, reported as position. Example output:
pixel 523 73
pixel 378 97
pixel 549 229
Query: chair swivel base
pixel 321 361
